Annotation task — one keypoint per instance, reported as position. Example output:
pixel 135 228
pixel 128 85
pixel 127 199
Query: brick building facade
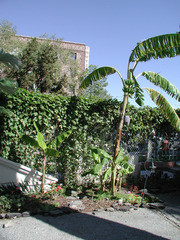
pixel 80 50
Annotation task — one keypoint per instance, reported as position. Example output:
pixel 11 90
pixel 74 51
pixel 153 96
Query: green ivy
pixel 93 123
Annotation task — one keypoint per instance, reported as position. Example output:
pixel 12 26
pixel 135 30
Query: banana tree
pixel 47 149
pixel 101 160
pixel 162 46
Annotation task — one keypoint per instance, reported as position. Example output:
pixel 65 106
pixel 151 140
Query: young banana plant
pixel 47 149
pixel 162 46
pixel 101 160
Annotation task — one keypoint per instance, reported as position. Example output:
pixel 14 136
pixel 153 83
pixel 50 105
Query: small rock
pixel 7 224
pixel 127 204
pixel 120 201
pixel 78 205
pixel 56 213
pixel 110 209
pixel 71 198
pixel 115 204
pixel 2 216
pixel 124 208
pixel 143 190
pixel 136 206
pixel 26 214
pixel 146 205
pixel 157 205
pixel 74 193
pixel 13 215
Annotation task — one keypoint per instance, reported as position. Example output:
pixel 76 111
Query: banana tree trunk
pixel 43 174
pixel 113 179
pixel 120 126
pixel 117 142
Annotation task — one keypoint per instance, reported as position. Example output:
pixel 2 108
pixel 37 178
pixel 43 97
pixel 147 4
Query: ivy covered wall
pixel 93 123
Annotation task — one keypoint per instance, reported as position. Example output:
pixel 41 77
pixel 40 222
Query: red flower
pixel 55 189
pixel 34 196
pixel 59 188
pixel 17 188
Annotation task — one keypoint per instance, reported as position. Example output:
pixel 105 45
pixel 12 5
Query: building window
pixel 74 56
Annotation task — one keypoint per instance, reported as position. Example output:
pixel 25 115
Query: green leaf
pixel 162 46
pixel 29 140
pixel 36 127
pixel 97 168
pixel 107 173
pixel 9 59
pixel 104 161
pixel 119 157
pixel 165 107
pixel 104 154
pixel 40 138
pixel 88 172
pixel 126 159
pixel 162 82
pixel 59 139
pixel 97 75
pixel 8 85
pixel 95 155
pixel 52 152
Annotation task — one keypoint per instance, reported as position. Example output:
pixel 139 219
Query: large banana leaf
pixel 9 59
pixel 40 138
pixel 100 155
pixel 52 152
pixel 97 75
pixel 59 139
pixel 165 107
pixel 120 157
pixel 162 46
pixel 29 140
pixel 162 82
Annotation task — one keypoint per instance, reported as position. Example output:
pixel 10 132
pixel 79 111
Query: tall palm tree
pixel 162 46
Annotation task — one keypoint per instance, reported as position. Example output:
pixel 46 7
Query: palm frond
pixel 9 59
pixel 162 46
pixel 162 82
pixel 97 75
pixel 165 107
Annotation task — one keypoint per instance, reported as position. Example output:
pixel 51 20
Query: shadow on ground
pixel 172 203
pixel 90 227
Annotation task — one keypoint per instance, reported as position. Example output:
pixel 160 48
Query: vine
pixel 93 124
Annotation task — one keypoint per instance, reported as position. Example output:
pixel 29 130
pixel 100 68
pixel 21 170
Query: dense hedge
pixel 93 123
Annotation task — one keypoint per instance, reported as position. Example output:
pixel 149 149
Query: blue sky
pixel 111 28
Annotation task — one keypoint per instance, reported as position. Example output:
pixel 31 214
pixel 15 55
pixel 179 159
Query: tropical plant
pixel 105 166
pixel 162 46
pixel 47 149
pixel 101 161
pixel 121 167
pixel 97 89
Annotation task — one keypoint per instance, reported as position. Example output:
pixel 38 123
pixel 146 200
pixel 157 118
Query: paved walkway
pixel 136 224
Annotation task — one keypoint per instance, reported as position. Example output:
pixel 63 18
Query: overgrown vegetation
pixel 92 123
